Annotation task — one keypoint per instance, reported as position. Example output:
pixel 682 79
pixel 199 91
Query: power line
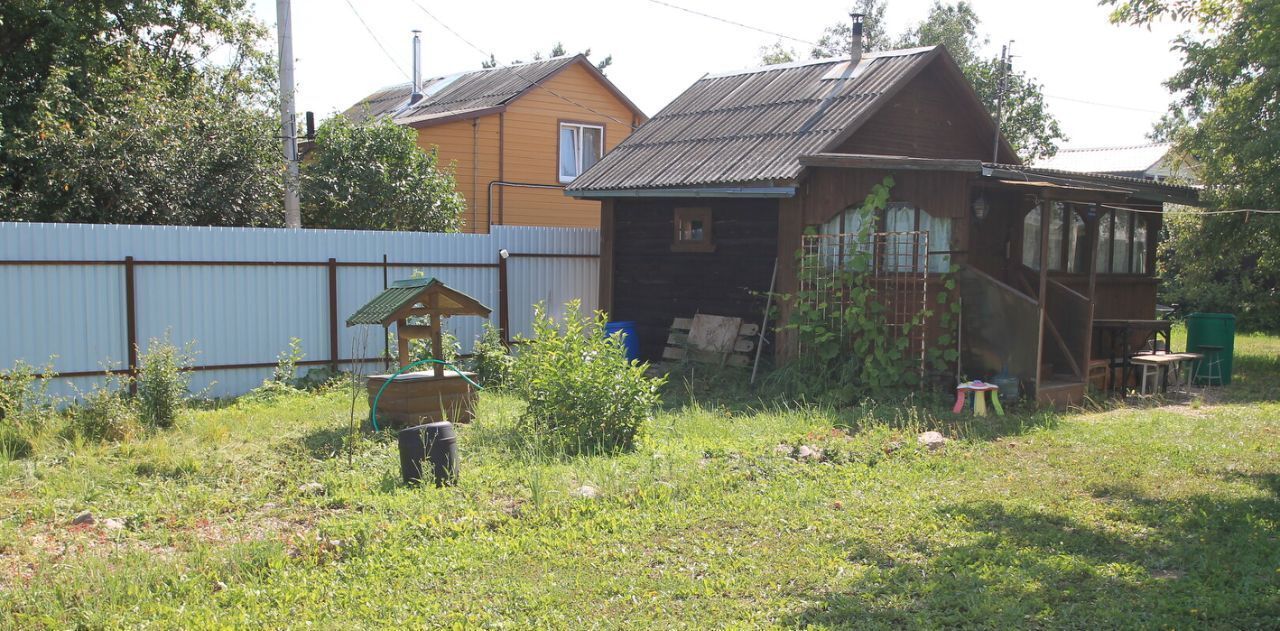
pixel 532 82
pixel 377 41
pixel 1233 211
pixel 1095 103
pixel 731 22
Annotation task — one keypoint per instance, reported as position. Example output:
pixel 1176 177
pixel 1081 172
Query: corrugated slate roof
pixel 752 126
pixel 457 94
pixel 1119 160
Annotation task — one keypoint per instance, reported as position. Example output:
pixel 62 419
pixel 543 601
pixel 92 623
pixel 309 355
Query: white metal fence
pixel 82 293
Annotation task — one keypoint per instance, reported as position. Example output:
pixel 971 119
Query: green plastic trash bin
pixel 1212 329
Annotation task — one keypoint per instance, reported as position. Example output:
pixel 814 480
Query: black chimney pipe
pixel 855 41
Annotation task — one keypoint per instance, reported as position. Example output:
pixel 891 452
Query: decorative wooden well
pixel 425 396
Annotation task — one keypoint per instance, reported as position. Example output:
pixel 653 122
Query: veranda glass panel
pixel 1103 261
pixel 1077 254
pixel 1031 239
pixel 1120 259
pixel 1055 235
pixel 1139 265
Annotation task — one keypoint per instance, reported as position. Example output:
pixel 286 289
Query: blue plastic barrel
pixel 630 342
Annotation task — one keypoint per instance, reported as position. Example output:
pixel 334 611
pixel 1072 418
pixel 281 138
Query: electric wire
pixel 537 83
pixel 1232 211
pixel 377 41
pixel 1097 104
pixel 731 22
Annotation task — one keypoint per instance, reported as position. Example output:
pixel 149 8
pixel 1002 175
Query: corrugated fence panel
pixel 576 279
pixel 246 314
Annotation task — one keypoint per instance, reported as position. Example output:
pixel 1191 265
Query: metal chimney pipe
pixel 855 41
pixel 416 94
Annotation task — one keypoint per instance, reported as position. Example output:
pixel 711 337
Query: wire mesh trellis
pixel 896 269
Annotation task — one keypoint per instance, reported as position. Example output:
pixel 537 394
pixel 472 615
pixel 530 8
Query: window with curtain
pixel 900 251
pixel 1121 258
pixel 580 147
pixel 939 229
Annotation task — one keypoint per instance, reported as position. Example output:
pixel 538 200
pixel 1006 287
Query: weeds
pixel 163 381
pixel 106 412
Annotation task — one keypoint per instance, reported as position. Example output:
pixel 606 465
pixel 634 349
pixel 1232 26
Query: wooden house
pixel 515 135
pixel 701 202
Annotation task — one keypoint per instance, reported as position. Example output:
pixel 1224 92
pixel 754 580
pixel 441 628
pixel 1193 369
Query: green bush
pixel 491 360
pixel 583 394
pixel 163 382
pixel 106 412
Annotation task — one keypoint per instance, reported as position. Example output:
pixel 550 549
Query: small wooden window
pixel 693 230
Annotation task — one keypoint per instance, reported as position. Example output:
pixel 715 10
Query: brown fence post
pixel 131 323
pixel 504 323
pixel 334 355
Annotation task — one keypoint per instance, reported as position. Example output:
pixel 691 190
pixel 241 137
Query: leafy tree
pixel 557 50
pixel 373 176
pixel 837 39
pixel 111 112
pixel 1227 96
pixel 1025 118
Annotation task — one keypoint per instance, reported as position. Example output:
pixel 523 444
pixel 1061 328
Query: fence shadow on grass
pixel 1204 560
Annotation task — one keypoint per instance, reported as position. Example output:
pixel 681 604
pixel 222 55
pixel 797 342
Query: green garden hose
pixel 373 411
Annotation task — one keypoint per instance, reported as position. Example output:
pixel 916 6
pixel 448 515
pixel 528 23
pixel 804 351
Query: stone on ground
pixel 933 440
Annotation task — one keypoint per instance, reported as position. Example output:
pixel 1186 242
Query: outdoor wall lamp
pixel 981 207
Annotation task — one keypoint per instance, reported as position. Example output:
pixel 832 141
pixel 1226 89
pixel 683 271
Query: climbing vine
pixel 840 320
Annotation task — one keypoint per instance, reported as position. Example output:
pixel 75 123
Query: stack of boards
pixel 711 339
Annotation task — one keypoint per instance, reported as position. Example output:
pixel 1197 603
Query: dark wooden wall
pixel 929 118
pixel 652 284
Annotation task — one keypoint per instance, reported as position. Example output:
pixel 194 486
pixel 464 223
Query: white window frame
pixel 576 128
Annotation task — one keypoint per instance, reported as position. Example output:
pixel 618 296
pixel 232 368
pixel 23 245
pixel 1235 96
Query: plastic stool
pixel 1210 367
pixel 979 390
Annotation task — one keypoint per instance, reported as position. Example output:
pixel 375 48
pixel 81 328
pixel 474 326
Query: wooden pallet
pixel 711 339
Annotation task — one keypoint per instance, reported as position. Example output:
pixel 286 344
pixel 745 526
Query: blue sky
pixel 1105 80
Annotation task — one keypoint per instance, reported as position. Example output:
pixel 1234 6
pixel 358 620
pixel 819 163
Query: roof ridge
pixel 408 84
pixel 899 52
pixel 1114 147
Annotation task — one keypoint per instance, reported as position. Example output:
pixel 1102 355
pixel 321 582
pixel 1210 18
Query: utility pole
pixel 1002 84
pixel 288 124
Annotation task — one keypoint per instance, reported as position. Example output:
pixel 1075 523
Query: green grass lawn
pixel 1142 516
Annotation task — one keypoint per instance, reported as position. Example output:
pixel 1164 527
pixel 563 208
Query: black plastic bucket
pixel 436 443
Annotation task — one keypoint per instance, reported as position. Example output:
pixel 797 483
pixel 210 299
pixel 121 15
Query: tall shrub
pixel 583 394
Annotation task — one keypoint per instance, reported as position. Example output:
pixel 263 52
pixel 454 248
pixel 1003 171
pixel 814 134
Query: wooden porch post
pixel 1091 233
pixel 1044 289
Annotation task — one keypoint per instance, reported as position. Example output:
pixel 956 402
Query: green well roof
pixel 402 295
